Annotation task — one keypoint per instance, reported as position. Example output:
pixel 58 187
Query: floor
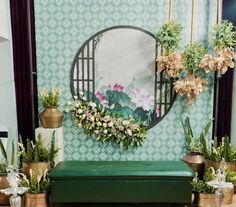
pixel 232 205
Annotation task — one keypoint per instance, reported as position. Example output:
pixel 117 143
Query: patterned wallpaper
pixel 62 26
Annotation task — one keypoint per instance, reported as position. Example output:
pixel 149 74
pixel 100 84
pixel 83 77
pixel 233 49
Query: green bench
pixel 121 182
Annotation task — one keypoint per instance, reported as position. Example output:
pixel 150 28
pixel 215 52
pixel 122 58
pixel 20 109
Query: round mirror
pixel 116 68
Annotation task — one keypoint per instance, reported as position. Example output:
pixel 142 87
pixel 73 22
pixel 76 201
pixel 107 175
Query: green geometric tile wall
pixel 62 26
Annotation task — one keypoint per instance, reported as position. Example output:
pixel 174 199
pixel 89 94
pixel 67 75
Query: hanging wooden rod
pixel 170 10
pixel 192 22
pixel 219 11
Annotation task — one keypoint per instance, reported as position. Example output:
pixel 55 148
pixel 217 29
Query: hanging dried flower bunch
pixel 223 38
pixel 191 85
pixel 169 37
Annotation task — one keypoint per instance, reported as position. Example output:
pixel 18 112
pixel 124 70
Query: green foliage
pixel 5 162
pixel 224 151
pixel 209 174
pixel 50 98
pixel 36 183
pixel 231 177
pixel 37 152
pixel 200 186
pixel 169 36
pixel 193 55
pixel 223 35
pixel 106 126
pixel 192 143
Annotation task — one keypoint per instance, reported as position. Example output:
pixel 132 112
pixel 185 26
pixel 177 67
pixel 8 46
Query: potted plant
pixel 36 156
pixel 4 163
pixel 213 154
pixel 51 117
pixel 204 193
pixel 169 37
pixel 37 184
pixel 192 84
pixel 223 38
pixel 193 146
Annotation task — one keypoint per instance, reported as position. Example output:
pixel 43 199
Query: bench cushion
pixel 121 181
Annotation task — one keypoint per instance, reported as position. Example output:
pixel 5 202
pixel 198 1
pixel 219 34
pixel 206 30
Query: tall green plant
pixel 5 162
pixel 192 143
pixel 37 152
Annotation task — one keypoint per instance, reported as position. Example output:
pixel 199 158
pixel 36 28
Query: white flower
pixel 104 125
pixel 92 104
pixel 99 123
pixel 77 104
pixel 105 131
pixel 81 93
pixel 110 124
pixel 79 125
pixel 80 111
pixel 67 110
pixel 126 123
pixel 92 118
pixel 69 103
pixel 75 97
pixel 129 132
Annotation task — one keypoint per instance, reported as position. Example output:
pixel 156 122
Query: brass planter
pixel 51 117
pixel 216 165
pixel 196 162
pixel 36 200
pixel 36 167
pixel 4 199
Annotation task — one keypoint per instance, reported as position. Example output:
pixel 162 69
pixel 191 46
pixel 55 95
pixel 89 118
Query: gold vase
pixel 36 200
pixel 4 199
pixel 205 200
pixel 196 162
pixel 36 167
pixel 51 117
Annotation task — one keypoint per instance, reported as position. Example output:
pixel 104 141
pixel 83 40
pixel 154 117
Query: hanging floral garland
pixel 169 37
pixel 191 85
pixel 96 121
pixel 223 40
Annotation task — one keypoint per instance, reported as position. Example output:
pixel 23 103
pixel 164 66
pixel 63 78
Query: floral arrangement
pixel 37 183
pixel 169 37
pixel 106 126
pixel 50 98
pixel 223 38
pixel 192 142
pixel 37 152
pixel 191 85
pixel 225 150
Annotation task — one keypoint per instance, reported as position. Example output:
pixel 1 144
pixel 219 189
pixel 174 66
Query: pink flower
pixel 116 87
pixel 102 99
pixel 142 98
pixel 157 111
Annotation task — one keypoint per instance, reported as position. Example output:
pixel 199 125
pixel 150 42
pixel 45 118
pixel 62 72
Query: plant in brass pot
pixel 191 85
pixel 193 146
pixel 214 154
pixel 4 163
pixel 223 38
pixel 51 117
pixel 36 156
pixel 38 184
pixel 169 37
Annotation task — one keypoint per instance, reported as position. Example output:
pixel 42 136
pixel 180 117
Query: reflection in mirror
pixel 117 69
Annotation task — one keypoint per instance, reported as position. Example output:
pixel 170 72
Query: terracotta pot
pixel 36 200
pixel 228 195
pixel 196 162
pixel 36 167
pixel 208 200
pixel 205 200
pixel 216 165
pixel 4 199
pixel 51 117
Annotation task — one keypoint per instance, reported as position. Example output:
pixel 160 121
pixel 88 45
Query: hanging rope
pixel 170 10
pixel 192 23
pixel 219 11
